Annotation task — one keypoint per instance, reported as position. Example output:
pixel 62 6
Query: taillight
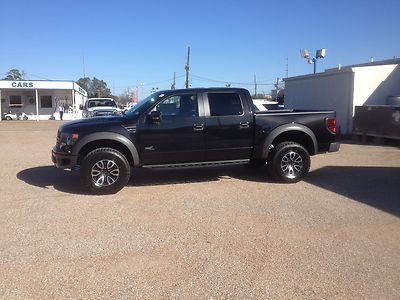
pixel 331 125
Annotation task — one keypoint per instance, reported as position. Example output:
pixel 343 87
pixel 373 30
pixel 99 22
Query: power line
pixel 150 83
pixel 166 80
pixel 205 79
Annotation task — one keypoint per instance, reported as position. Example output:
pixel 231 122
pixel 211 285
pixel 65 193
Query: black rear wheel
pixel 105 171
pixel 289 162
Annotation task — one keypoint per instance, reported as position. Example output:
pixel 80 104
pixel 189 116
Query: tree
pixel 125 97
pixel 84 83
pixel 14 74
pixel 99 88
pixel 95 87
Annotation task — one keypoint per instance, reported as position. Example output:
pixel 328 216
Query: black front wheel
pixel 289 162
pixel 105 171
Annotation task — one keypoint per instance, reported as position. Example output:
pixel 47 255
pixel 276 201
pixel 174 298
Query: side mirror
pixel 80 106
pixel 154 117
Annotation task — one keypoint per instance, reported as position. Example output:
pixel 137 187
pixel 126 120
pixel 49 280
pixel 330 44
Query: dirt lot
pixel 209 233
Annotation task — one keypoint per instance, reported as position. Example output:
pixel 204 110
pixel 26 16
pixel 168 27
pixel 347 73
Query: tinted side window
pixel 179 105
pixel 225 104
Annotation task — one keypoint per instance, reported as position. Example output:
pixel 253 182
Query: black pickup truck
pixel 193 127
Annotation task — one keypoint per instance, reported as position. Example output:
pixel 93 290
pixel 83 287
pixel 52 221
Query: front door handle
pixel 198 127
pixel 244 124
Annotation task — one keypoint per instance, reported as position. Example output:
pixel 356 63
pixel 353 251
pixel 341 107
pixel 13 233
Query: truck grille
pixel 105 113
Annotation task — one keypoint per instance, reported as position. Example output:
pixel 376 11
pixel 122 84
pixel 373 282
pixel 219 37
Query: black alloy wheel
pixel 105 171
pixel 289 162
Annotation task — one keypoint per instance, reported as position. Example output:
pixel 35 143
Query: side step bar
pixel 198 164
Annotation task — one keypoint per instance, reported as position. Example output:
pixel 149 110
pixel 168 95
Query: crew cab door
pixel 178 136
pixel 228 126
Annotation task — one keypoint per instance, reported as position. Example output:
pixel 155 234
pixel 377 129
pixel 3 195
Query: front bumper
pixel 334 147
pixel 63 160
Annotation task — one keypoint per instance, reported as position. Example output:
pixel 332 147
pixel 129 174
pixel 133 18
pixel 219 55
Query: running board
pixel 198 164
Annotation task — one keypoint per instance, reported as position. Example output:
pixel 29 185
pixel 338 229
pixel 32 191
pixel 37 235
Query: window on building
pixel 15 101
pixel 46 102
pixel 225 104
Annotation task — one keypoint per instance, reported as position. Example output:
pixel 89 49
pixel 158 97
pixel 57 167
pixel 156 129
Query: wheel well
pixel 105 143
pixel 296 136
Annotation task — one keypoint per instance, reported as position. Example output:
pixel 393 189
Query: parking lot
pixel 208 233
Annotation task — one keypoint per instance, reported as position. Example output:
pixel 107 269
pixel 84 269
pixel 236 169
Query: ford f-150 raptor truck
pixel 193 127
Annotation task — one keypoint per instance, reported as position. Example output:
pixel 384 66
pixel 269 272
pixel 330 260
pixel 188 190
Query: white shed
pixel 39 99
pixel 341 89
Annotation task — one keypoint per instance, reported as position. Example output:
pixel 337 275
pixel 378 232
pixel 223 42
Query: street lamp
pixel 320 53
pixel 154 89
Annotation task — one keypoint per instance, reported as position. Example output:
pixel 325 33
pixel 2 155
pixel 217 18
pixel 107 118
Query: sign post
pixel 1 115
pixel 37 105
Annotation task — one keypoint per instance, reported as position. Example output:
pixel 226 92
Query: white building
pixel 343 88
pixel 40 99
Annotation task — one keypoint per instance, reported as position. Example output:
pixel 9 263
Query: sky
pixel 129 43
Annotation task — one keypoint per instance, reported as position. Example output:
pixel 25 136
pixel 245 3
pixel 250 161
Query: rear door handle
pixel 198 127
pixel 244 124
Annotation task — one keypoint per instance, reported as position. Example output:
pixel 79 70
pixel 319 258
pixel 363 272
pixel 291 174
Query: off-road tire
pixel 289 162
pixel 104 171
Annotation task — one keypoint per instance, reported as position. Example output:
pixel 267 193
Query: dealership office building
pixel 40 99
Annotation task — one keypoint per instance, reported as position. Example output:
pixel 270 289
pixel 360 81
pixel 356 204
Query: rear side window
pixel 225 104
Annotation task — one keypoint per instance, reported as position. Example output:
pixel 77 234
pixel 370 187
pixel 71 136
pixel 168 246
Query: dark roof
pixel 199 90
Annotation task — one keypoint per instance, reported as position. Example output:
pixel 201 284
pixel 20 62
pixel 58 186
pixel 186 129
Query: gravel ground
pixel 207 233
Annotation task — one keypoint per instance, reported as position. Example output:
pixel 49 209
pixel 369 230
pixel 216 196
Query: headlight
pixel 68 140
pixel 91 114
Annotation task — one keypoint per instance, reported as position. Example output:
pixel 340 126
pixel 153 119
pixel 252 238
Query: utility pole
pixel 173 84
pixel 315 64
pixel 255 86
pixel 187 67
pixel 277 88
pixel 84 71
pixel 287 66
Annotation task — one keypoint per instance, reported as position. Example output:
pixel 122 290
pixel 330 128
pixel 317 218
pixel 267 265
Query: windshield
pixel 101 102
pixel 143 105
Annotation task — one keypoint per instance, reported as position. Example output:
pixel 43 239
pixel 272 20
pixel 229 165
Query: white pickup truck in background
pixel 95 107
pixel 264 105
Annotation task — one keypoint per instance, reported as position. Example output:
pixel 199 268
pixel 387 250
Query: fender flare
pixel 107 136
pixel 286 128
